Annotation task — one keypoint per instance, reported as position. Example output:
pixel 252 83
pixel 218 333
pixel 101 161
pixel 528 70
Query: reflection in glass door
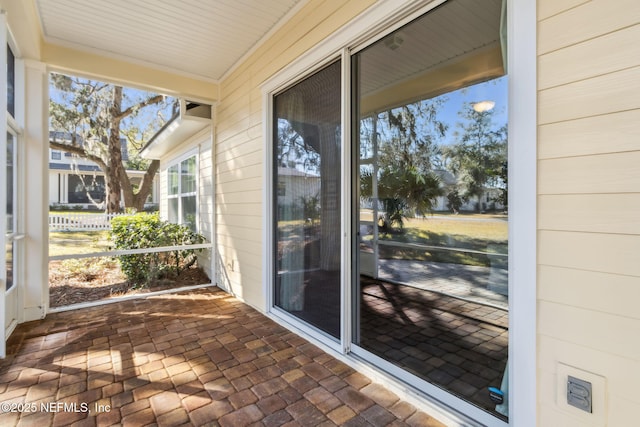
pixel 306 200
pixel 430 143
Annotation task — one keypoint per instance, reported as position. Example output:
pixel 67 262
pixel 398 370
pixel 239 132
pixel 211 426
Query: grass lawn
pixel 78 242
pixel 483 233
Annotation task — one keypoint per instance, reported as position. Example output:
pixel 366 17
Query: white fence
pixel 81 221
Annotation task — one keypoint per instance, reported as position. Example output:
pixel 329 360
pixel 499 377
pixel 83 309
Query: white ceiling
pixel 197 38
pixel 451 31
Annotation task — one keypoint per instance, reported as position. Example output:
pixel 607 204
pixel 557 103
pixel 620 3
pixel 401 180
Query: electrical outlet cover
pixel 598 392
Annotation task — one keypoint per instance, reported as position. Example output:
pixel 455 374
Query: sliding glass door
pixel 306 200
pixel 430 164
pixel 424 269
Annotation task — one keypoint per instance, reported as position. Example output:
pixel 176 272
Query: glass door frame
pixel 377 22
pixel 10 125
pixel 321 337
pixel 15 238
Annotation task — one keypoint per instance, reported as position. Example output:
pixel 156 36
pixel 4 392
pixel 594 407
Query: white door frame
pixel 382 18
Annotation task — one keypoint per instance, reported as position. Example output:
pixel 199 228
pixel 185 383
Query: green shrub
pixel 145 230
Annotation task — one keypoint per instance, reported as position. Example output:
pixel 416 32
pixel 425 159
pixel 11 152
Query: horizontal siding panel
pixel 622 408
pixel 229 160
pixel 239 174
pixel 243 197
pixel 607 173
pixel 606 253
pixel 606 54
pixel 252 184
pixel 242 283
pixel 589 20
pixel 609 93
pixel 242 262
pixel 251 136
pixel 602 292
pixel 243 209
pixel 599 331
pixel 596 213
pixel 248 221
pixel 548 8
pixel 610 133
pixel 232 127
pixel 239 232
pixel 552 416
pixel 249 246
pixel 235 106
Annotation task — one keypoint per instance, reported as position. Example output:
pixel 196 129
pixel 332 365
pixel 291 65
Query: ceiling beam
pixel 89 65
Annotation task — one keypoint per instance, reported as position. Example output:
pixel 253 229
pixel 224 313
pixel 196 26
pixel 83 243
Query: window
pixel 182 194
pixel 56 155
pixel 86 189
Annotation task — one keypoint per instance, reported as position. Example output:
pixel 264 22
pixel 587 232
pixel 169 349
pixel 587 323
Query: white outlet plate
pixel 598 391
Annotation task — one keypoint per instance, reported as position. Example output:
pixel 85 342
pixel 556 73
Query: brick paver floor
pixel 457 344
pixel 193 358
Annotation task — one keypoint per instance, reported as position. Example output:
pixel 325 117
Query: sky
pixel 493 90
pixel 141 121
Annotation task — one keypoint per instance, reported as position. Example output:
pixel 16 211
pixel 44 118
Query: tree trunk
pixel 115 169
pixel 136 200
pixel 330 198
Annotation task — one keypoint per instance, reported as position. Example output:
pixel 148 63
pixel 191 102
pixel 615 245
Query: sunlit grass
pixel 476 227
pixel 78 242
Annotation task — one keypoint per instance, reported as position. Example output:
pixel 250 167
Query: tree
pixel 478 156
pixel 406 138
pixel 95 116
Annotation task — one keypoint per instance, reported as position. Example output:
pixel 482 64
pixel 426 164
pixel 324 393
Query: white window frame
pixel 177 162
pixel 371 25
pixel 11 124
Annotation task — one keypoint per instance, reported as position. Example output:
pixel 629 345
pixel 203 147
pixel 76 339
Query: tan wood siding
pixel 240 142
pixel 604 94
pixel 585 22
pixel 602 173
pixel 623 291
pixel 616 51
pixel 589 201
pixel 598 213
pixel 608 133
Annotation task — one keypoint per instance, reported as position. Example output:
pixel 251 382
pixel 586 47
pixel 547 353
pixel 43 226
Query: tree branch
pixel 80 151
pixel 153 100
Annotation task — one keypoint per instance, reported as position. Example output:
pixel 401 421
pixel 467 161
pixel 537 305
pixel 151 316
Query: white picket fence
pixel 81 222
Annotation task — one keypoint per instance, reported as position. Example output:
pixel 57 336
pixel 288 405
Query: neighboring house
pixel 77 182
pixel 296 187
pixel 326 67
